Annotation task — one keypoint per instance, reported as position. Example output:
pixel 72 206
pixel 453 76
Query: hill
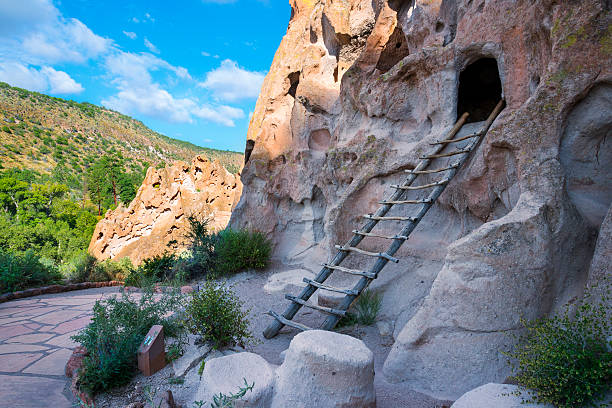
pixel 52 135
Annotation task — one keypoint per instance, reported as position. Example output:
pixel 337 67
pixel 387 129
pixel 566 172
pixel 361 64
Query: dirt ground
pixel 249 287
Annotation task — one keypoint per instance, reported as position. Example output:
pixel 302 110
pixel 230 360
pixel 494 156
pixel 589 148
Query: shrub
pixel 215 313
pixel 155 269
pixel 200 255
pixel 236 250
pixel 364 311
pixel 567 359
pixel 112 338
pixel 18 272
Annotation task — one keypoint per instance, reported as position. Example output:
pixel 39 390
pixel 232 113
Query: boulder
pixel 192 355
pixel 156 220
pixel 497 395
pixel 227 374
pixel 324 369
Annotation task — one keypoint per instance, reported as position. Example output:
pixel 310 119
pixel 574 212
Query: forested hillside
pixel 62 165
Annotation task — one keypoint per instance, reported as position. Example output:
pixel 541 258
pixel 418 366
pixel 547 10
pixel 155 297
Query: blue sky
pixel 189 69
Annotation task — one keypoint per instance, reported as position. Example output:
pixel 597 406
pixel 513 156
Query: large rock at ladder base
pixel 227 374
pixel 323 369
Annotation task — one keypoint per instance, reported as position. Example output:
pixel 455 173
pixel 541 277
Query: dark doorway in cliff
pixel 396 49
pixel 479 89
pixel 248 149
pixel 294 81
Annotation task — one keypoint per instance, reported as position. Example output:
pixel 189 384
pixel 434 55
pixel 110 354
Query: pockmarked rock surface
pixel 355 94
pixel 498 396
pixel 228 373
pixel 324 369
pixel 156 220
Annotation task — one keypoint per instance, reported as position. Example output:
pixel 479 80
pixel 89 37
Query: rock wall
pixel 357 91
pixel 156 220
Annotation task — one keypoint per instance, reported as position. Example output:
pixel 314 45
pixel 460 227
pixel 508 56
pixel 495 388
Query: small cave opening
pixel 395 50
pixel 250 145
pixel 294 81
pixel 479 89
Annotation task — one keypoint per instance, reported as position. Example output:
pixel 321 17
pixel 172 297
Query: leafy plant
pixel 20 272
pixel 112 338
pixel 155 269
pixel 227 401
pixel 173 352
pixel 215 313
pixel 566 359
pixel 364 311
pixel 236 250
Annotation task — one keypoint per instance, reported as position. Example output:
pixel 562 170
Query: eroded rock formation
pixel 357 91
pixel 156 220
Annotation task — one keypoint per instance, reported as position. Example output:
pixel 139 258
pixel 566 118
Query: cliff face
pixel 357 91
pixel 156 220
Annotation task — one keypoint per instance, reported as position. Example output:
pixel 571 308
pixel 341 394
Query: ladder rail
pixel 276 325
pixel 331 321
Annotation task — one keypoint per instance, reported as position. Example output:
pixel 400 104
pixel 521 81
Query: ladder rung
pixel 350 271
pixel 330 288
pixel 453 166
pixel 461 139
pixel 287 322
pixel 324 309
pixel 362 252
pixel 424 201
pixel 436 156
pixel 369 234
pixel 373 217
pixel 424 186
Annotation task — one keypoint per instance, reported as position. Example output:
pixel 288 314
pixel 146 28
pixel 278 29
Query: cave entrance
pixel 250 145
pixel 479 89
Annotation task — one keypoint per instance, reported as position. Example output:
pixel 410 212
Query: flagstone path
pixel 35 345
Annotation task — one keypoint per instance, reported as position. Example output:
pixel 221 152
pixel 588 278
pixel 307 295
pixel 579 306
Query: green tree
pixel 12 192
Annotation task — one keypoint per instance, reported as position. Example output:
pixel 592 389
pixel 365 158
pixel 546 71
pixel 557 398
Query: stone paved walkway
pixel 35 346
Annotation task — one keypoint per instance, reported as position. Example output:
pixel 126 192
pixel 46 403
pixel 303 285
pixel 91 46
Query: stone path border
pixel 45 290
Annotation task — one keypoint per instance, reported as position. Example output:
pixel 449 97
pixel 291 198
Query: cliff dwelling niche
pixel 396 49
pixel 294 81
pixel 250 145
pixel 479 89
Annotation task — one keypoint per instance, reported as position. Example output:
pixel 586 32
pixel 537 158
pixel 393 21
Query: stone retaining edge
pixel 55 289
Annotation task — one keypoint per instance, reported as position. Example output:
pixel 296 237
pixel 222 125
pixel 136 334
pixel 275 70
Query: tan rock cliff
pixel 357 91
pixel 156 220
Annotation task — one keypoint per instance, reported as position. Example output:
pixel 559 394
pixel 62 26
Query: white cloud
pixel 131 35
pixel 224 115
pixel 205 54
pixel 46 79
pixel 151 46
pixel 140 94
pixel 219 1
pixel 135 20
pixel 60 82
pixel 229 82
pixel 152 101
pixel 45 37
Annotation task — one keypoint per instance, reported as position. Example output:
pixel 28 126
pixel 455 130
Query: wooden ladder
pixel 334 315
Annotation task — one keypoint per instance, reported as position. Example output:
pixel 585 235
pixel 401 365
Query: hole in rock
pixel 319 140
pixel 439 27
pixel 294 81
pixel 250 145
pixel 395 50
pixel 479 89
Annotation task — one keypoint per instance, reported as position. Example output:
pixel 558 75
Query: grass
pixel 364 311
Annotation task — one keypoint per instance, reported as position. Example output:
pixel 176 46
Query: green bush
pixel 215 313
pixel 156 269
pixel 112 338
pixel 199 258
pixel 18 272
pixel 567 359
pixel 236 250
